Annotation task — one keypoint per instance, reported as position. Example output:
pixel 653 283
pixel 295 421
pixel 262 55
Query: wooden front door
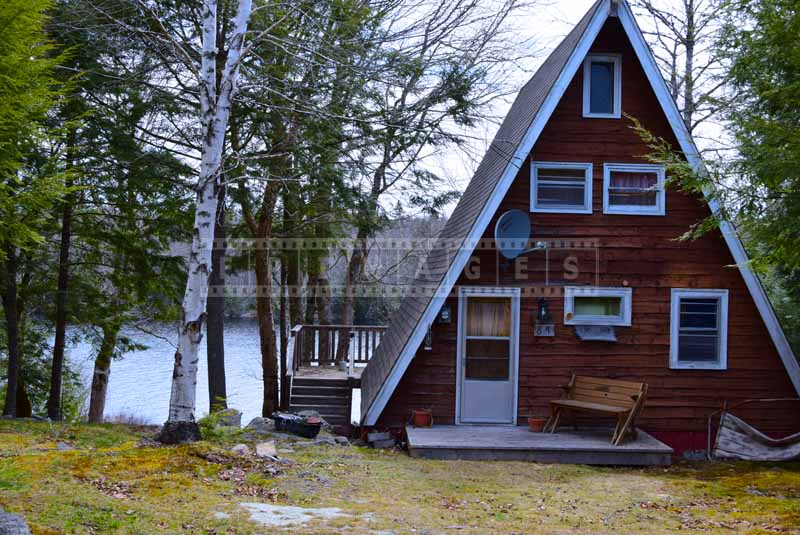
pixel 488 354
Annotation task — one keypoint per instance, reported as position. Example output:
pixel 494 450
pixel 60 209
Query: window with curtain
pixel 633 189
pixel 561 187
pixel 488 338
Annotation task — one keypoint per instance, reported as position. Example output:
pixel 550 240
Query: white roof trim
pixel 686 142
pixel 526 145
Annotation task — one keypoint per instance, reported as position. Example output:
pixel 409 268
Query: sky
pixel 544 25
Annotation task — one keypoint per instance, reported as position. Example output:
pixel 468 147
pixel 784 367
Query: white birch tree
pixel 215 107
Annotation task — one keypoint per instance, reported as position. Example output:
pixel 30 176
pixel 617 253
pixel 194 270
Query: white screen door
pixel 488 355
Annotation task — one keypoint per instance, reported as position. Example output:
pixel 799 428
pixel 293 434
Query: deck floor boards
pixel 585 446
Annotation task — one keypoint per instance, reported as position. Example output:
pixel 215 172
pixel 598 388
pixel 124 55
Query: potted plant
pixel 422 417
pixel 536 423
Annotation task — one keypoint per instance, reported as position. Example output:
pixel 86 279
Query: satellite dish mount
pixel 512 234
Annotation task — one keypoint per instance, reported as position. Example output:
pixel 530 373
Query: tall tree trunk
pixel 102 370
pixel 24 406
pixel 57 369
pixel 283 325
pixel 688 75
pixel 11 311
pixel 266 327
pixel 214 112
pixel 215 343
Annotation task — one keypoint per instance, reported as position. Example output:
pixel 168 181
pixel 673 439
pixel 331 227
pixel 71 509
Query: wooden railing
pixel 316 345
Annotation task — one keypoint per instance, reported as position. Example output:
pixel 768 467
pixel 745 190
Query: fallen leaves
pixel 120 490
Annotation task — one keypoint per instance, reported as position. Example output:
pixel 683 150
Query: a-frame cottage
pixel 627 301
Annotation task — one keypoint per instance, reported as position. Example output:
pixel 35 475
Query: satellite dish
pixel 512 232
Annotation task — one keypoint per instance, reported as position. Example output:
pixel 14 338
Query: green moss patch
pixel 115 480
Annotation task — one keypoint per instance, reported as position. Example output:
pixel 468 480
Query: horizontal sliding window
pixel 636 189
pixel 597 306
pixel 561 187
pixel 698 331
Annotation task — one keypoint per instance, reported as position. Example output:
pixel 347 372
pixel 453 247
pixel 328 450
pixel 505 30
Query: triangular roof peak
pixel 513 142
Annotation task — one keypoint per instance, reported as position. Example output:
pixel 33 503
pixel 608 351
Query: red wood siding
pixel 640 252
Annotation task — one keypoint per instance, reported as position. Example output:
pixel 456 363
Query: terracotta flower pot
pixel 422 417
pixel 536 424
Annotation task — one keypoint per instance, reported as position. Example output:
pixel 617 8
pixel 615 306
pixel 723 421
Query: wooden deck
pixel 329 372
pixel 505 443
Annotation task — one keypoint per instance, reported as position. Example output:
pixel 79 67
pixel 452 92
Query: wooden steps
pixel 329 397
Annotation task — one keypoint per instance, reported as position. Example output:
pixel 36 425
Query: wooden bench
pixel 623 399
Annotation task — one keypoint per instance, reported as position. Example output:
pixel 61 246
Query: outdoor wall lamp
pixel 543 313
pixel 445 315
pixel 543 322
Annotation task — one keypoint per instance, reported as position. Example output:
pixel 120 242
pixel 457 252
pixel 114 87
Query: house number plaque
pixel 544 329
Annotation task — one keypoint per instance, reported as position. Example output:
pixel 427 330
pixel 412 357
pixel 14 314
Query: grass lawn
pixel 115 480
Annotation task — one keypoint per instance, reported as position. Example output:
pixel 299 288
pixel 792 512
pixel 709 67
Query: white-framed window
pixel 564 188
pixel 632 188
pixel 589 305
pixel 698 329
pixel 602 86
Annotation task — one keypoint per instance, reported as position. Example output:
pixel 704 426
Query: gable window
pixel 586 305
pixel 633 189
pixel 602 87
pixel 699 329
pixel 561 187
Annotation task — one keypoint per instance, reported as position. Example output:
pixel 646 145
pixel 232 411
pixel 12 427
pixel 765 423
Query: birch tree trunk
pixel 215 107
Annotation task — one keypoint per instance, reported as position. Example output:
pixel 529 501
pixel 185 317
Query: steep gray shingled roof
pixel 522 113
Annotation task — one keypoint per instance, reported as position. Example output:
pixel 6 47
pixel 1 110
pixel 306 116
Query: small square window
pixel 597 306
pixel 636 189
pixel 699 329
pixel 561 187
pixel 602 87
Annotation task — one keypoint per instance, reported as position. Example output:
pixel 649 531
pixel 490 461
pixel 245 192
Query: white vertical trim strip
pixel 480 224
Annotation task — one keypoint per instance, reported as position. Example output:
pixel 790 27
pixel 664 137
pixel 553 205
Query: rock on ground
pixel 286 515
pixel 266 449
pixel 12 524
pixel 229 418
pixel 240 449
pixel 260 426
pixel 375 436
pixel 381 444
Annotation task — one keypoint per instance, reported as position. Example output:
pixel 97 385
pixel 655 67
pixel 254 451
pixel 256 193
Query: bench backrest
pixel 605 391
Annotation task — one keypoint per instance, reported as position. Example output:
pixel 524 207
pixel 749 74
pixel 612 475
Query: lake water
pixel 140 383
